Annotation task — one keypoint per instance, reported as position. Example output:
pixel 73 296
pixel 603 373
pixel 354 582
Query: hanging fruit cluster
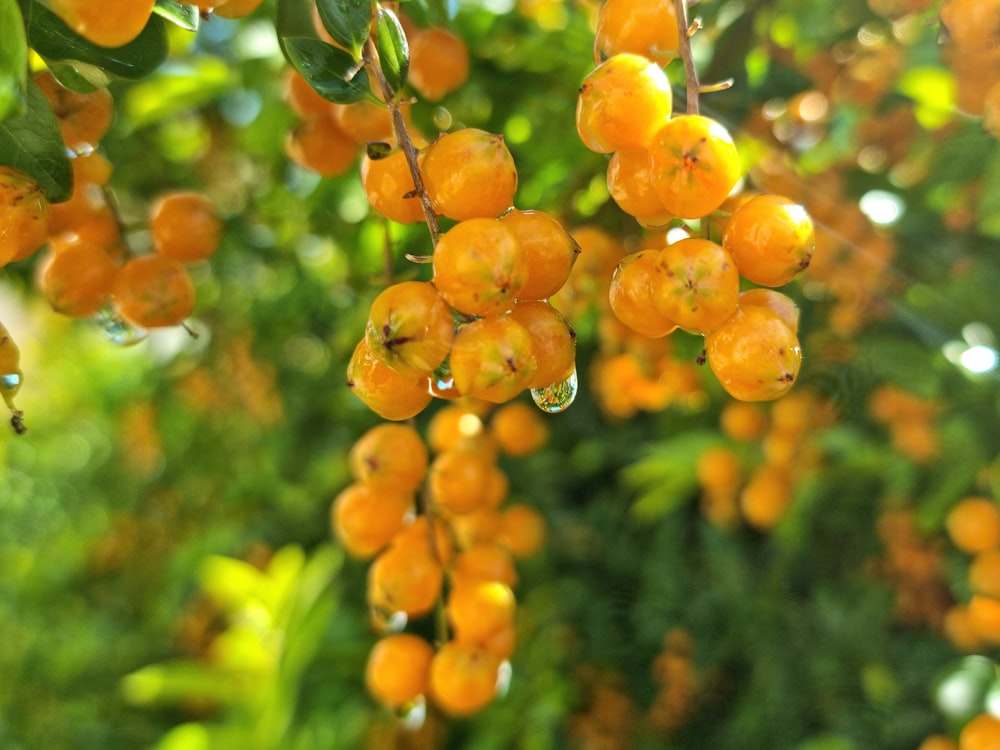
pixel 667 168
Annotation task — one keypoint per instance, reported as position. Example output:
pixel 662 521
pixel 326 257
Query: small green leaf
pixel 182 14
pixel 13 60
pixel 393 51
pixel 293 18
pixel 32 143
pixel 55 41
pixel 82 78
pixel 347 21
pixel 329 70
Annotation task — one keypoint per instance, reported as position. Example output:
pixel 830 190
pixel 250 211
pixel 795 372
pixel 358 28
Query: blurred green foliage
pixel 167 576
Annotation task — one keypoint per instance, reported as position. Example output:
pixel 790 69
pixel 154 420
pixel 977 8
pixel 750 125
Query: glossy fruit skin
pixel 642 27
pixel 553 341
pixel 458 480
pixel 398 669
pixel 389 187
pixel 390 454
pixel 973 524
pixel 320 145
pixel 105 24
pixel 519 429
pixel 463 678
pixel 410 327
pixel 24 215
pixel 77 278
pixel 754 355
pixel 469 173
pixel 694 165
pixel 405 578
pixel 630 184
pixel 154 291
pixel 622 104
pixel 185 226
pixel 771 238
pixel 492 359
pixel 549 251
pixel 479 267
pixel 390 394
pixel 477 610
pixel 632 291
pixel 366 517
pixel 698 286
pixel 774 300
pixel 439 62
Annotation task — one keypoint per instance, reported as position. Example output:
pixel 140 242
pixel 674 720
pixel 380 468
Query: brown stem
pixel 370 56
pixel 684 31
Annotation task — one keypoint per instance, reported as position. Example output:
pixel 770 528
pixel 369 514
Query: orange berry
pixel 185 226
pixel 303 99
pixel 398 669
pixel 439 544
pixel 410 327
pixel 522 530
pixel 698 285
pixel 83 118
pixel 389 454
pixel 754 354
pixel 771 299
pixel 439 62
pixel 469 173
pixel 389 187
pixel 771 238
pixel 630 183
pixel 390 394
pixel 320 145
pixel 938 742
pixel 643 27
pixel 694 165
pixel 984 617
pixel 519 429
pixel 553 341
pixel 984 572
pixel 972 24
pixel 405 578
pixel 973 524
pixel 548 249
pixel 766 496
pixel 237 8
pixel 24 215
pixel 719 469
pixel 622 104
pixel 484 562
pixel 364 122
pixel 452 425
pixel 105 24
pixel 153 291
pixel 366 517
pixel 981 733
pixel 476 527
pixel 492 358
pixel 633 287
pixel 458 479
pixel 77 277
pixel 741 420
pixel 479 267
pixel 479 609
pixel 463 678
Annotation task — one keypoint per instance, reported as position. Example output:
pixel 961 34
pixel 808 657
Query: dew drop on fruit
pixel 558 396
pixel 10 382
pixel 117 329
pixel 384 622
pixel 413 714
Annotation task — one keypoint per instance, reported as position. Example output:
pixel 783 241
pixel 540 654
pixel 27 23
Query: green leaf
pixel 13 60
pixel 347 21
pixel 329 70
pixel 393 51
pixel 55 41
pixel 80 77
pixel 32 143
pixel 183 15
pixel 293 18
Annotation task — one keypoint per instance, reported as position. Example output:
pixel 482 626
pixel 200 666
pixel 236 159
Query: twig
pixel 684 32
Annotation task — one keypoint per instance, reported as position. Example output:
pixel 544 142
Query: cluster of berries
pixel 457 553
pixel 482 326
pixel 664 168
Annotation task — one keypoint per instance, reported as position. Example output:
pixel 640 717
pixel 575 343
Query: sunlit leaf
pixel 32 143
pixel 13 59
pixel 347 21
pixel 329 70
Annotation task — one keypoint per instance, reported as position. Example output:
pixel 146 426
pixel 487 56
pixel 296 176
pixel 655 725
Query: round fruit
pixel 549 251
pixel 108 24
pixel 398 669
pixel 389 454
pixel 468 174
pixel 153 291
pixel 390 394
pixel 77 277
pixel 973 524
pixel 410 327
pixel 320 145
pixel 630 183
pixel 622 104
pixel 771 238
pixel 24 215
pixel 185 226
pixel 694 165
pixel 644 27
pixel 553 341
pixel 479 267
pixel 754 354
pixel 463 678
pixel 389 187
pixel 366 517
pixel 439 62
pixel 492 359
pixel 633 288
pixel 697 285
pixel 83 118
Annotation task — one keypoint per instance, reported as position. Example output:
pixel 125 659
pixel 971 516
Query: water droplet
pixel 385 622
pixel 10 382
pixel 413 714
pixel 117 329
pixel 558 396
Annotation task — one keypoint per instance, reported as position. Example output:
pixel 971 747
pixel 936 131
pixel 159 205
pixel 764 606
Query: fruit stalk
pixel 684 32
